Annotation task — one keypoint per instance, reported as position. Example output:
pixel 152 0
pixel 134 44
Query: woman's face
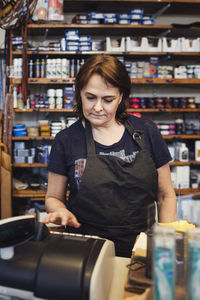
pixel 100 101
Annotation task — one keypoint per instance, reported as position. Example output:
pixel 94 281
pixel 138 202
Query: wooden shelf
pixel 51 81
pixel 35 52
pixel 182 137
pixel 104 26
pixel 30 110
pixel 167 110
pixel 35 195
pixel 181 1
pixel 133 81
pixel 141 53
pixel 184 163
pixel 164 81
pixel 149 110
pixel 29 138
pixel 29 193
pixel 34 165
pixel 187 191
pixel 94 26
pixel 15 81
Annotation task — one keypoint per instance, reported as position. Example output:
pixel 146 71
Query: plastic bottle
pixel 15 67
pixel 14 97
pixel 37 68
pixel 51 98
pixel 48 68
pixel 72 68
pixel 42 68
pixel 58 68
pixel 20 102
pixel 53 66
pixel 183 153
pixel 179 126
pixel 30 69
pixel 65 68
pixel 19 68
pixel 59 98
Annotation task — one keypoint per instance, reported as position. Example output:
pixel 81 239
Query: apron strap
pixel 91 150
pixel 137 135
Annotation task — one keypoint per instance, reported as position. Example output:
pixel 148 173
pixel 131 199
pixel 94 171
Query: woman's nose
pixel 98 105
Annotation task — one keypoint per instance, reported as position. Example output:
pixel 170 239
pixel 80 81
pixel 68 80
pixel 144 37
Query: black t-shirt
pixel 69 151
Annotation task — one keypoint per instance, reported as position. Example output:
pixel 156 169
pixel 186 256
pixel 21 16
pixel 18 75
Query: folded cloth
pixel 19 185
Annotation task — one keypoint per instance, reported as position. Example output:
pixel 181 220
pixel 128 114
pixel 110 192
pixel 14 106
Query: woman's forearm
pixel 167 209
pixel 167 204
pixel 56 192
pixel 55 202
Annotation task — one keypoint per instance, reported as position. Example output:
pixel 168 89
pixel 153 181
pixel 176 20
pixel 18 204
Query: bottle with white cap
pixel 59 98
pixel 65 68
pixel 183 153
pixel 14 96
pixel 48 68
pixel 51 93
pixel 58 68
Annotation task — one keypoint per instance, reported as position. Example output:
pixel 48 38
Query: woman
pixel 116 165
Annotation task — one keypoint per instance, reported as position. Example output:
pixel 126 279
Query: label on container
pixel 164 272
pixel 193 270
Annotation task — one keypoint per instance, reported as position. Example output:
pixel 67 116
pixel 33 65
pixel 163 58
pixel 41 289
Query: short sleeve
pixel 159 149
pixel 59 154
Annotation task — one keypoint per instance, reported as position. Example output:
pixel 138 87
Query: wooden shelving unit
pixel 177 7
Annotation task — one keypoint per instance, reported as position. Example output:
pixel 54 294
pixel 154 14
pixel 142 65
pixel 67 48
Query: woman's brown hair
pixel 113 71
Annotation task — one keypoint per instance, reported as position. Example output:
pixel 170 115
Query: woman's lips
pixel 98 116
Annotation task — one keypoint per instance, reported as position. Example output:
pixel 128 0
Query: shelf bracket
pixel 161 11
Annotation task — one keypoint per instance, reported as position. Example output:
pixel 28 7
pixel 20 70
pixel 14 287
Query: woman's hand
pixel 62 216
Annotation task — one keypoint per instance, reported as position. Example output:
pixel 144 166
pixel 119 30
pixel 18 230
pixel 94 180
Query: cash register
pixel 36 263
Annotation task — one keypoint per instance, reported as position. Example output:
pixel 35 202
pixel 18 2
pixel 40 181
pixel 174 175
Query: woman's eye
pixel 90 98
pixel 107 101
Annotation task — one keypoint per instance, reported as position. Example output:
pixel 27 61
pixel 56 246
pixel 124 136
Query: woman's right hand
pixel 62 216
